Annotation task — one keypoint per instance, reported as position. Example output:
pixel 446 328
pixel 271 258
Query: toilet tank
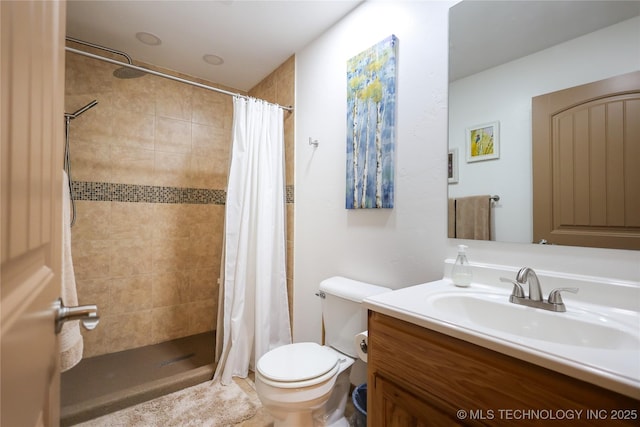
pixel 343 314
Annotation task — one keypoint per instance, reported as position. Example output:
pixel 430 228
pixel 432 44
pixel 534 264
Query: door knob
pixel 86 314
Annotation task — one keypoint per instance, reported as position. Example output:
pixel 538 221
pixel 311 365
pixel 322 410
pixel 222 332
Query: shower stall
pixel 149 159
pixel 150 164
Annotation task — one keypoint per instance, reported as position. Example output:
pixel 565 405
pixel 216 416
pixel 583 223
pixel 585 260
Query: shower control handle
pixel 86 314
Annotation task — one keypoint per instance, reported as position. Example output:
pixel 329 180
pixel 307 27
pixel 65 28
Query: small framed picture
pixel 453 166
pixel 483 142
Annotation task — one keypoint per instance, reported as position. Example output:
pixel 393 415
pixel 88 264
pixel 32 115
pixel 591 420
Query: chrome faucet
pixel 535 299
pixel 527 274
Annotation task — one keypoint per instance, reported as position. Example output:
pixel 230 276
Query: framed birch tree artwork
pixel 371 123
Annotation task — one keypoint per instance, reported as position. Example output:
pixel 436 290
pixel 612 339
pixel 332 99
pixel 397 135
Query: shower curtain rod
pixel 166 76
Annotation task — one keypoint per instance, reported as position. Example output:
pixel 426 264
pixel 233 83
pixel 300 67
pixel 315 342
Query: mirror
pixel 501 54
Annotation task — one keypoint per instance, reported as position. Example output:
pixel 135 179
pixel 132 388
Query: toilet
pixel 307 384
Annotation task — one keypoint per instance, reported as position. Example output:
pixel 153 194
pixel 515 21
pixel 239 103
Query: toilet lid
pixel 297 362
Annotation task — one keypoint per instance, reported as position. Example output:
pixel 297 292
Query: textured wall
pixel 391 247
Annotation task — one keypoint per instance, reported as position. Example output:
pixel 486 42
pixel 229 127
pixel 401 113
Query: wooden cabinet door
pixel 31 211
pixel 394 406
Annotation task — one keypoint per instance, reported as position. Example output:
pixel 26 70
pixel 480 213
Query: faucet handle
pixel 517 287
pixel 556 298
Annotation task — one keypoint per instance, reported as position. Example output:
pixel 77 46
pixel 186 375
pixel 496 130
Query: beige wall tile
pixel 170 221
pixel 130 257
pixel 203 284
pixel 285 83
pixel 135 95
pixel 92 221
pixel 170 254
pixel 171 288
pixel 202 173
pixel 210 140
pixel 212 109
pixel 131 165
pixel 130 294
pixel 202 316
pixel 131 221
pixel 172 169
pixel 91 258
pixel 203 252
pixel 131 129
pixel 90 161
pixel 84 75
pixel 130 330
pixel 207 213
pixel 289 148
pixel 170 322
pixel 172 135
pixel 173 99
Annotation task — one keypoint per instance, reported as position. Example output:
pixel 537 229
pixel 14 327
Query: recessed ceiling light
pixel 212 59
pixel 148 38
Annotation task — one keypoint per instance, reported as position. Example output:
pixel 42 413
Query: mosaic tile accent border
pixel 110 192
pixel 289 193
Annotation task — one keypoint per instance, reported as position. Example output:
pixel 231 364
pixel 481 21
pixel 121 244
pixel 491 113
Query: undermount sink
pixel 494 312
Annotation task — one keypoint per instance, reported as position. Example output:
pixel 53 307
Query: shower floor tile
pixel 103 384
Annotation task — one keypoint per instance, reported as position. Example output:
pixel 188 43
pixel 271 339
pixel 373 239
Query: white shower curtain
pixel 255 308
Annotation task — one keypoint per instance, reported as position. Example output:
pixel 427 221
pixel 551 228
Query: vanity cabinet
pixel 419 377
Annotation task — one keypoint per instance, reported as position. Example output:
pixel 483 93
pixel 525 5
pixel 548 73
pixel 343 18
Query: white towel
pixel 71 344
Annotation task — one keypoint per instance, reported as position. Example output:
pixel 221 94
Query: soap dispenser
pixel 461 272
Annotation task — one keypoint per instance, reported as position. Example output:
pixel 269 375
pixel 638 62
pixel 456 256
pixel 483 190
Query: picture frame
pixel 483 142
pixel 371 123
pixel 452 166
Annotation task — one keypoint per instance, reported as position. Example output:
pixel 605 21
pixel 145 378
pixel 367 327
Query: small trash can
pixel 359 397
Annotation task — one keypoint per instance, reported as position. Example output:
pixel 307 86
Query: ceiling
pixel 252 37
pixel 255 37
pixel 513 29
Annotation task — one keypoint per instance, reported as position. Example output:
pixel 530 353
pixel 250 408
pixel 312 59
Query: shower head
pixel 127 73
pixel 120 73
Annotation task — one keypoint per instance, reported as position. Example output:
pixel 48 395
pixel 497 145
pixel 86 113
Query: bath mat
pixel 208 404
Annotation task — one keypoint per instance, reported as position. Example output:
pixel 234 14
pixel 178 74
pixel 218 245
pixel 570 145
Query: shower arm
pixel 81 110
pixel 97 46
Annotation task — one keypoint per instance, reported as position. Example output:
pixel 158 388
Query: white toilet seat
pixel 297 365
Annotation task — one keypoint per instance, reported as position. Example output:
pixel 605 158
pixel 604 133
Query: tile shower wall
pixel 149 165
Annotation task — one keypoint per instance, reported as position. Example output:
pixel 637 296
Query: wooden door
pixel 32 130
pixel 586 151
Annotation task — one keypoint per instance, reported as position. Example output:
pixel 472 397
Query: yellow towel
pixel 71 344
pixel 473 217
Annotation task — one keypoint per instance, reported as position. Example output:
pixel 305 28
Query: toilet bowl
pixel 304 384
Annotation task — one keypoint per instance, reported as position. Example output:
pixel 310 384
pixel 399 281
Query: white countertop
pixel 614 369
